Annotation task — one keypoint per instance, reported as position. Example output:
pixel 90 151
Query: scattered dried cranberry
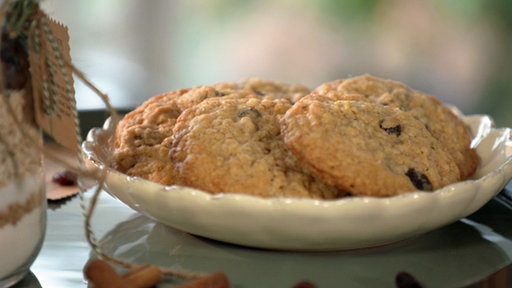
pixel 406 280
pixel 65 178
pixel 304 284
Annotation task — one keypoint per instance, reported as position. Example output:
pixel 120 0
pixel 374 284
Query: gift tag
pixel 52 81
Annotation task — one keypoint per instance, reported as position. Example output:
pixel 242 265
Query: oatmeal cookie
pixel 247 88
pixel 366 148
pixel 443 124
pixel 144 135
pixel 235 145
pixel 142 139
pixel 266 89
pixel 198 94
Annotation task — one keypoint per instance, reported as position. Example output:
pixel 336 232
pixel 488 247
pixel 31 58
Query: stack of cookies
pixel 361 136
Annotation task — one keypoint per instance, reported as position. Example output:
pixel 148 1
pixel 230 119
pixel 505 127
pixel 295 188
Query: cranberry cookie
pixel 366 148
pixel 267 89
pixel 235 145
pixel 440 120
pixel 143 136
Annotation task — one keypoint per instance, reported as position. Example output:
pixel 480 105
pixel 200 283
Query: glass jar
pixel 22 188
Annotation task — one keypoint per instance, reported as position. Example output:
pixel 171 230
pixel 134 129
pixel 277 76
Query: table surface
pixel 453 256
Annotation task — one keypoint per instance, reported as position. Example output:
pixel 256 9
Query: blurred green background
pixel 133 49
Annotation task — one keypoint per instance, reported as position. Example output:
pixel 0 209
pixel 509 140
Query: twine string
pixel 63 67
pixel 99 176
pixel 50 105
pixel 48 108
pixel 5 143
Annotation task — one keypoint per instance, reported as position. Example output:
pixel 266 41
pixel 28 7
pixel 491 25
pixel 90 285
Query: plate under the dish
pixel 307 224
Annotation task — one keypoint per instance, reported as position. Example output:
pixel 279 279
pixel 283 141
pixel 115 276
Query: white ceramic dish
pixel 306 224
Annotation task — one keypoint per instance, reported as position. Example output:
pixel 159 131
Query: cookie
pixel 198 94
pixel 266 89
pixel 440 120
pixel 142 139
pixel 366 148
pixel 235 145
pixel 143 136
pixel 247 88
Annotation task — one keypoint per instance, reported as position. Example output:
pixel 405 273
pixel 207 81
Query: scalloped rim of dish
pixel 310 224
